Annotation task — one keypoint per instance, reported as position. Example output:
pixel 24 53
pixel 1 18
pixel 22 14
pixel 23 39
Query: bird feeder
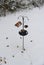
pixel 23 32
pixel 18 24
pixel 25 26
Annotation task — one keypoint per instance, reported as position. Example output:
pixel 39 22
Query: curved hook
pixel 26 17
pixel 20 16
pixel 23 17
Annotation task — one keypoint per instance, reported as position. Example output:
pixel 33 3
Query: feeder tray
pixel 23 32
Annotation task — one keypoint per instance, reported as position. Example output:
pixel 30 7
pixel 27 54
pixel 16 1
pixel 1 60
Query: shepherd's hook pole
pixel 23 36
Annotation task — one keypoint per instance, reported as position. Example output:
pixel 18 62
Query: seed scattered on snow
pixel 7 46
pixel 17 46
pixel 13 56
pixel 5 62
pixel 31 41
pixel 22 52
pixel 6 37
pixel 2 60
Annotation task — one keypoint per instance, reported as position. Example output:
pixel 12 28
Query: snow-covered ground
pixel 34 53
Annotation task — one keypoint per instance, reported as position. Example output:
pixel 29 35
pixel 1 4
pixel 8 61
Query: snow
pixel 34 53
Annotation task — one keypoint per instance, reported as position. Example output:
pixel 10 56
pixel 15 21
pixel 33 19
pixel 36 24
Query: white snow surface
pixel 34 53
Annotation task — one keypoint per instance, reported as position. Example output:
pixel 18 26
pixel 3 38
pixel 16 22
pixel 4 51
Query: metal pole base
pixel 23 50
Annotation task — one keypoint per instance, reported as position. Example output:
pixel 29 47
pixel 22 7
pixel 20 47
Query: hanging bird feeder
pixel 18 24
pixel 22 32
pixel 25 26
